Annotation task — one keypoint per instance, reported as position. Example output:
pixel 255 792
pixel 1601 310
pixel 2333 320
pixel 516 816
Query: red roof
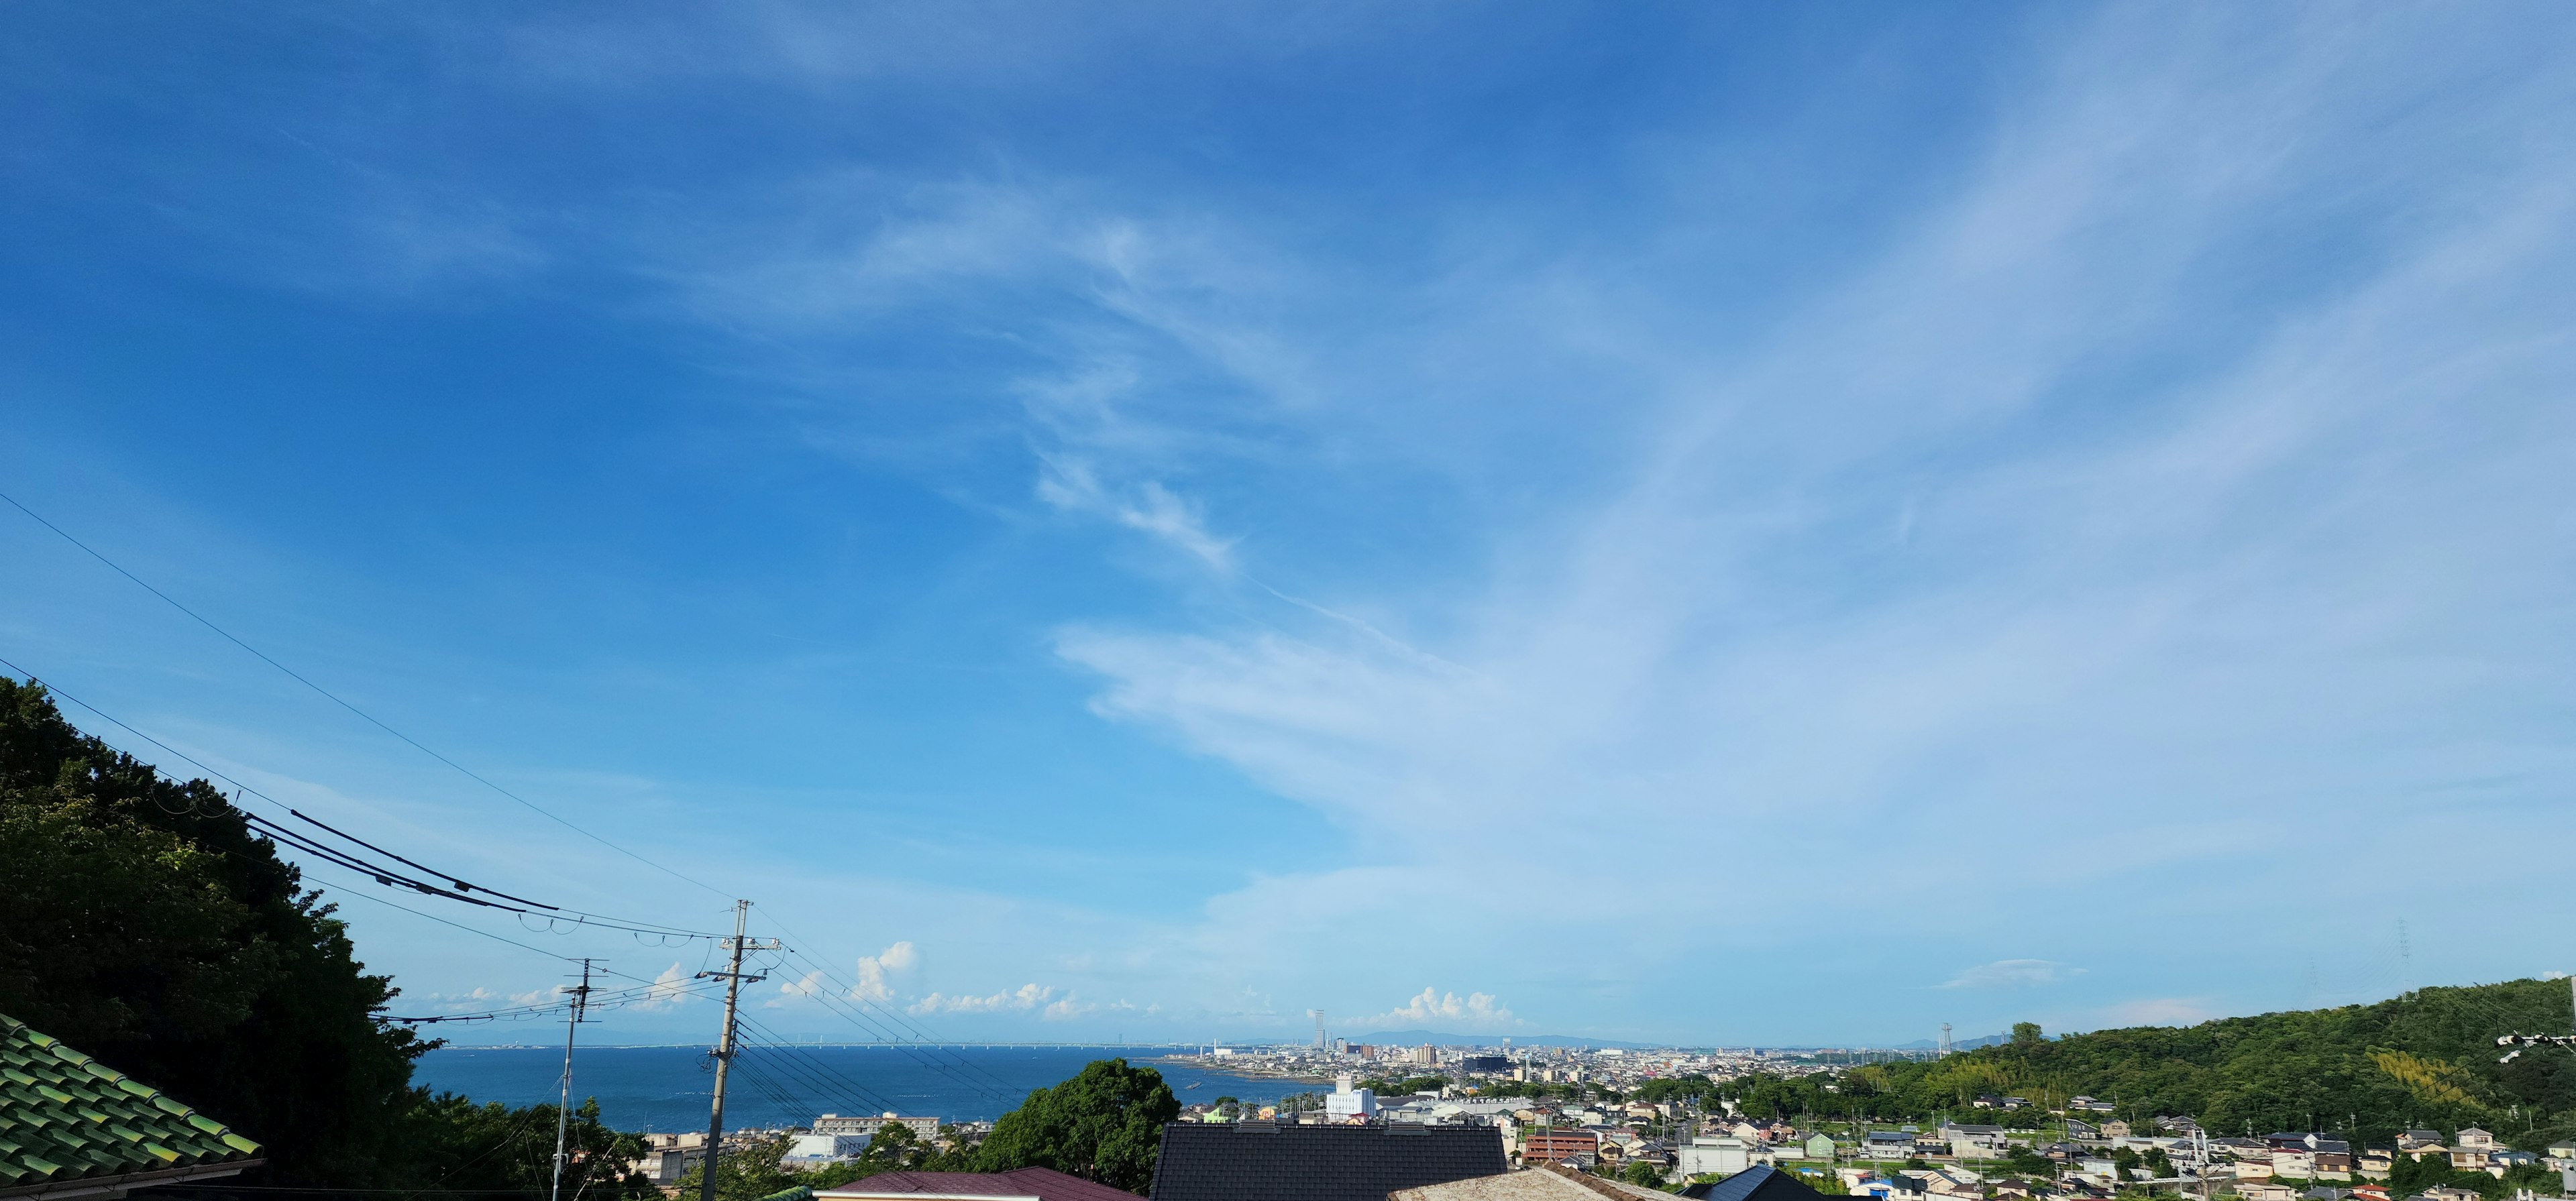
pixel 1045 1184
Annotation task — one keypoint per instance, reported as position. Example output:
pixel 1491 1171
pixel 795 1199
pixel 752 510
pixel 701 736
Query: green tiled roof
pixel 65 1117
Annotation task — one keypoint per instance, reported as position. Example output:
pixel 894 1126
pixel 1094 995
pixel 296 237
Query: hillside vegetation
pixel 2424 1059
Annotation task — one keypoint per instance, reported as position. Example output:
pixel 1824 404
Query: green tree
pixel 148 926
pixel 1104 1124
pixel 458 1150
pixel 1643 1174
pixel 2025 1034
pixel 746 1174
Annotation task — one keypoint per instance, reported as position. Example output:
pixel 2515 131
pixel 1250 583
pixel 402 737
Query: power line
pixel 388 877
pixel 335 699
pixel 382 875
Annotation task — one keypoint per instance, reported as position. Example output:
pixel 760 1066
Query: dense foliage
pixel 456 1150
pixel 149 927
pixel 2425 1059
pixel 1104 1124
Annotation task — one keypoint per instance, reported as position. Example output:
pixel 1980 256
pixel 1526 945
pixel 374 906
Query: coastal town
pixel 1616 1114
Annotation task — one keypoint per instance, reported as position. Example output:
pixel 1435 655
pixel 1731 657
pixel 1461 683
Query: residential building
pixel 833 1123
pixel 1758 1183
pixel 70 1126
pixel 826 1146
pixel 1560 1146
pixel 2475 1139
pixel 1820 1146
pixel 1973 1142
pixel 1887 1145
pixel 1724 1155
pixel 1258 1161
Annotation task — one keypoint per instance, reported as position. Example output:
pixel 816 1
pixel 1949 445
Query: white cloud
pixel 873 984
pixel 670 990
pixel 1475 1011
pixel 1069 482
pixel 1066 1009
pixel 1026 996
pixel 806 986
pixel 2012 973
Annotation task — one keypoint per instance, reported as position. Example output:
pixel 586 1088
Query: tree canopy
pixel 1104 1124
pixel 2426 1058
pixel 148 926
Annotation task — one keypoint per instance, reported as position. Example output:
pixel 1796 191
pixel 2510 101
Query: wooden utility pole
pixel 733 978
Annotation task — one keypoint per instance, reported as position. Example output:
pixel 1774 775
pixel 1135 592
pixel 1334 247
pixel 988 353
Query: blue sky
pixel 1712 523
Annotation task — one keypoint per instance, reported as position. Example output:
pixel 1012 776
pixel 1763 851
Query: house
pixel 2375 1163
pixel 2415 1142
pixel 2267 1192
pixel 1764 1183
pixel 2113 1129
pixel 2079 1128
pixel 1721 1156
pixel 1264 1161
pixel 2467 1159
pixel 2084 1104
pixel 1887 1144
pixel 1820 1146
pixel 2475 1139
pixel 1973 1142
pixel 1022 1184
pixel 71 1126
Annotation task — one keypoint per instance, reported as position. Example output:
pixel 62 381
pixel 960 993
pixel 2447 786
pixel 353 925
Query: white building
pixel 1348 1102
pixel 827 1146
pixel 1723 1156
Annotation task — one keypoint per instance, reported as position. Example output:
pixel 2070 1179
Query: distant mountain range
pixel 1439 1039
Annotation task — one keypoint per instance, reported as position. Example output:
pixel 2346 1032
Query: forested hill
pixel 2427 1058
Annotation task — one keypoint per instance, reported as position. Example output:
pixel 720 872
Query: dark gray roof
pixel 1259 1161
pixel 1762 1183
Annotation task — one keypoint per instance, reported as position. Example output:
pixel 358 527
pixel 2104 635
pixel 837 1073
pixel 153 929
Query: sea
pixel 668 1088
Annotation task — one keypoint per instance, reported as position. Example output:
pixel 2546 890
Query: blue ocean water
pixel 667 1088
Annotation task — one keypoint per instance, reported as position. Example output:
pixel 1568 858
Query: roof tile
pixel 68 1117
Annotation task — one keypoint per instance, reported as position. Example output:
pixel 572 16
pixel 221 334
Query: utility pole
pixel 733 979
pixel 563 1111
